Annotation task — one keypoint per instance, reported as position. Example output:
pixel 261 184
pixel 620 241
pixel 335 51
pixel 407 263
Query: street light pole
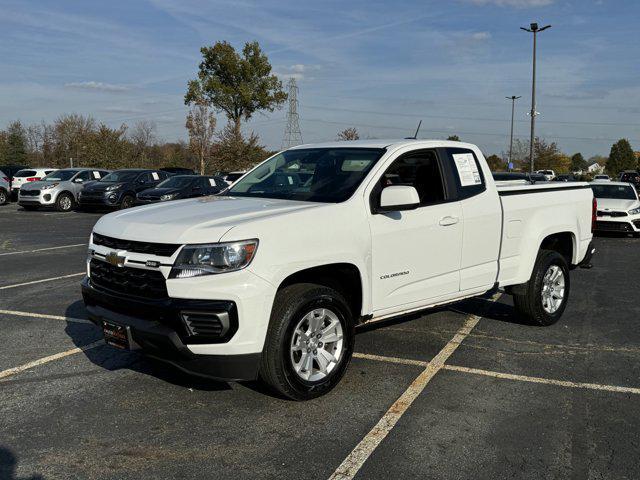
pixel 513 99
pixel 533 29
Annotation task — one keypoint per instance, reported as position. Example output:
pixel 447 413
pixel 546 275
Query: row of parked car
pixel 89 188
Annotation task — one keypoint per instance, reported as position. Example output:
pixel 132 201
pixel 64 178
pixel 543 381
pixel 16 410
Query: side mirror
pixel 396 198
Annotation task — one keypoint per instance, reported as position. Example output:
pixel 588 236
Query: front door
pixel 416 254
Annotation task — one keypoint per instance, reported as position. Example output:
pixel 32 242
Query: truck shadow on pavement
pixel 8 464
pixel 113 359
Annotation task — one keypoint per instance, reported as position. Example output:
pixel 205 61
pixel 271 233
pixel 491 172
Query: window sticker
pixel 212 182
pixel 155 175
pixel 96 175
pixel 467 169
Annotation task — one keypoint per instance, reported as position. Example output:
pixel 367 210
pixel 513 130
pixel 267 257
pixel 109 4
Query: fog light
pixel 47 197
pixel 112 197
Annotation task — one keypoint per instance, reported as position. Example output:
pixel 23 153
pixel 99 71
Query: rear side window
pixel 467 172
pixel 25 173
pixel 420 170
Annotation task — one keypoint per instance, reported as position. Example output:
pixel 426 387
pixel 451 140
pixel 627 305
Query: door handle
pixel 448 220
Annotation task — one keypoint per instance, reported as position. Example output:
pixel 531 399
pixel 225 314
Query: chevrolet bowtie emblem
pixel 114 259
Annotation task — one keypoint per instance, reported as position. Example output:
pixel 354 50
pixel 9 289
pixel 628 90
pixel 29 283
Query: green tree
pixel 496 164
pixel 16 144
pixel 621 157
pixel 578 163
pixel 233 152
pixel 238 85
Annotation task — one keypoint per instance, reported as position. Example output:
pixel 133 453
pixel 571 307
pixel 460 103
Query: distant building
pixel 595 168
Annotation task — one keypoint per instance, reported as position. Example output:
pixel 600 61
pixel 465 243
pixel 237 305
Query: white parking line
pixel 44 249
pixel 44 315
pixel 354 461
pixel 50 358
pixel 547 381
pixel 43 280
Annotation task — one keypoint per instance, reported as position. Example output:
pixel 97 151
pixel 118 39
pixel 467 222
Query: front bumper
pixel 625 224
pixel 157 327
pixel 43 198
pixel 100 199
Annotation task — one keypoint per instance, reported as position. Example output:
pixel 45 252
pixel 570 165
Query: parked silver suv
pixel 59 189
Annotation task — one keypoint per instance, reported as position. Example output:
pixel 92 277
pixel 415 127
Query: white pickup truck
pixel 270 279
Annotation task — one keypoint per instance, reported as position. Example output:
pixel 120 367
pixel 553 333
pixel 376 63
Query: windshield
pixel 313 175
pixel 176 182
pixel 60 176
pixel 124 176
pixel 619 192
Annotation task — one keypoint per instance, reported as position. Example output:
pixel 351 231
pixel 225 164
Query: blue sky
pixel 378 65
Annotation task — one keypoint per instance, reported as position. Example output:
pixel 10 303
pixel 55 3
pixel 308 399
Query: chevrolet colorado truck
pixel 270 279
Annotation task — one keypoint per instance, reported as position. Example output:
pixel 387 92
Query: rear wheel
pixel 543 298
pixel 64 202
pixel 3 196
pixel 127 202
pixel 309 342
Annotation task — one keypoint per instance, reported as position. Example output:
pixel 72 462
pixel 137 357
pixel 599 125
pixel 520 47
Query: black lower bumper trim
pixel 586 261
pixel 158 339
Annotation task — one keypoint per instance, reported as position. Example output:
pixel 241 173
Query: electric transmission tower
pixel 292 135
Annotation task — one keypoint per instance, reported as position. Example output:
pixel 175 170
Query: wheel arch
pixel 562 242
pixel 346 278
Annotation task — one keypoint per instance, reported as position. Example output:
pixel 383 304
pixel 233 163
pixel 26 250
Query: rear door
pixel 416 254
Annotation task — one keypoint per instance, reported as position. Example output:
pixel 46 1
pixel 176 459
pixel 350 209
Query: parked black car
pixel 181 186
pixel 119 188
pixel 565 177
pixel 178 171
pixel 629 176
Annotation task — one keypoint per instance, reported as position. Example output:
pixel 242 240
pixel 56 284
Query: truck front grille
pixel 159 249
pixel 129 281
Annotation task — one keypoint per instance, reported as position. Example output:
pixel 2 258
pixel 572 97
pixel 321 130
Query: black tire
pixel 291 305
pixel 127 202
pixel 4 197
pixel 528 299
pixel 29 207
pixel 65 202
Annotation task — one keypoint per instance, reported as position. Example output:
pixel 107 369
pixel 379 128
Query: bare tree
pixel 143 136
pixel 201 125
pixel 349 134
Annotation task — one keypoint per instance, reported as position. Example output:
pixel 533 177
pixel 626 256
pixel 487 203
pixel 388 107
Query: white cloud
pixel 122 109
pixel 481 36
pixel 514 3
pixel 97 86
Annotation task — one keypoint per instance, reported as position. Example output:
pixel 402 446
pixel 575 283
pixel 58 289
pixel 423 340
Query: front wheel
pixel 309 341
pixel 127 202
pixel 64 202
pixel 544 297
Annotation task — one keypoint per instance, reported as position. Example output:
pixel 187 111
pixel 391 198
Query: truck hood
pixel 617 204
pixel 198 220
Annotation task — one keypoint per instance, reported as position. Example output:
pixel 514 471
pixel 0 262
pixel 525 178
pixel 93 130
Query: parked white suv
pixel 270 279
pixel 28 175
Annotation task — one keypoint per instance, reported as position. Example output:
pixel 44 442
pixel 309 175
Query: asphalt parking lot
pixel 462 392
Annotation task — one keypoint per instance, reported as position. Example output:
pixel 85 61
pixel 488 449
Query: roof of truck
pixel 386 143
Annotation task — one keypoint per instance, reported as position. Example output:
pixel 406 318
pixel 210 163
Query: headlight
pixel 113 187
pixel 196 260
pixel 168 196
pixel 49 186
pixel 635 211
